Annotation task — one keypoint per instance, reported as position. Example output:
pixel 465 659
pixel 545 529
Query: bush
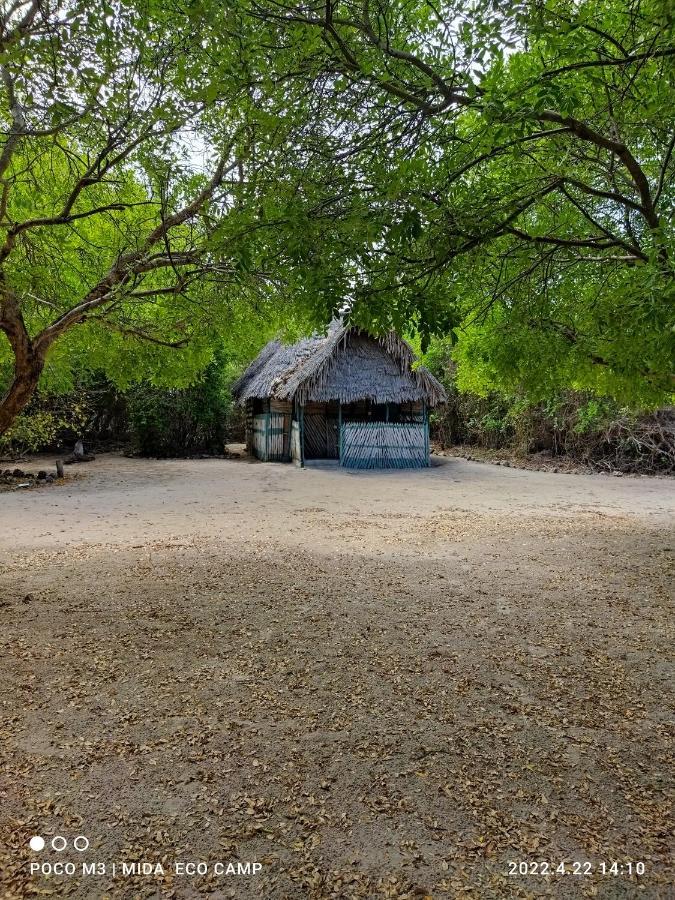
pixel 151 421
pixel 589 429
pixel 469 419
pixel 46 424
pixel 592 431
pixel 172 422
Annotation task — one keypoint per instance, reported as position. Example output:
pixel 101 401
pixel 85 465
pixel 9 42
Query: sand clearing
pixel 375 684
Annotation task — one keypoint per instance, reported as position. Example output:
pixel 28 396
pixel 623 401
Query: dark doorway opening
pixel 321 427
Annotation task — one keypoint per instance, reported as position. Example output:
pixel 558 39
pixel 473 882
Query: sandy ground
pixel 390 684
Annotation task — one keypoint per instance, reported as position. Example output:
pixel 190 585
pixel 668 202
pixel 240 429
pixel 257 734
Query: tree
pixel 106 222
pixel 505 177
pixel 518 168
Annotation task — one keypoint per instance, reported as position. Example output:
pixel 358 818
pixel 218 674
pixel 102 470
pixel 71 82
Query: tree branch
pixel 664 169
pixel 130 264
pixel 607 195
pixel 620 150
pixel 609 61
pixel 15 230
pixel 137 332
pixel 595 243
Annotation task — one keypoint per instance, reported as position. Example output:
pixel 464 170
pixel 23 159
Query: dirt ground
pixel 392 684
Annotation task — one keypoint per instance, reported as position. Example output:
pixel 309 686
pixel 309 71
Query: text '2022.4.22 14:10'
pixel 576 867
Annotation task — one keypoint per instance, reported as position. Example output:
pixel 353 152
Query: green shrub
pixel 591 429
pixel 177 422
pixel 47 422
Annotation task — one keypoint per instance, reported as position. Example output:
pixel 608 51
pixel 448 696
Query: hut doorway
pixel 321 430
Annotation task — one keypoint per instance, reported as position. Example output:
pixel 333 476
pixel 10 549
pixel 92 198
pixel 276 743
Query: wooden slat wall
pixel 281 406
pixel 380 445
pixel 320 429
pixel 260 436
pixel 249 427
pixel 279 436
pixel 315 435
pixel 272 436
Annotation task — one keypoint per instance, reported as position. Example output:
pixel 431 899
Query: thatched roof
pixel 346 364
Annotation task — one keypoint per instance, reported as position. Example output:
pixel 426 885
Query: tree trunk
pixel 29 357
pixel 26 376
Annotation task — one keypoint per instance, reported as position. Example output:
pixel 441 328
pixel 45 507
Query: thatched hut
pixel 346 396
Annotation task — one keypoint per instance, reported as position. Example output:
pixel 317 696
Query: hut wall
pixel 320 430
pixel 384 445
pixel 272 436
pixel 249 427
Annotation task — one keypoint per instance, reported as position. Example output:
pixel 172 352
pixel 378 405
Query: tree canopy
pixel 499 177
pixel 517 165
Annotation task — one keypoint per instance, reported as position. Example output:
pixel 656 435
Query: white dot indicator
pixel 37 843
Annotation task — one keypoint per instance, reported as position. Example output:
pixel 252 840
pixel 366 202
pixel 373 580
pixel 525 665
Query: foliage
pixel 44 424
pixel 174 422
pixel 150 202
pixel 149 408
pixel 499 176
pixel 517 166
pixel 128 212
pixel 591 429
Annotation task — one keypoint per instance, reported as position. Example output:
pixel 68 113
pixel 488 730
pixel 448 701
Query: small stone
pixel 41 475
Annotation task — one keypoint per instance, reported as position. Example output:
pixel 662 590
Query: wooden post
pixel 340 432
pixel 59 468
pixel 302 436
